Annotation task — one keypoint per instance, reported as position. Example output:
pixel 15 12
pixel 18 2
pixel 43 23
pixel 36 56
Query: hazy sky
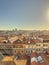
pixel 24 14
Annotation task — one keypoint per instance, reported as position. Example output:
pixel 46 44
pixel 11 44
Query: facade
pixel 24 48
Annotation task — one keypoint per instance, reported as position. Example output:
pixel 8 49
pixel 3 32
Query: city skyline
pixel 24 14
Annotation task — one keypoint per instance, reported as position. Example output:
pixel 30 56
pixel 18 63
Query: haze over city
pixel 24 14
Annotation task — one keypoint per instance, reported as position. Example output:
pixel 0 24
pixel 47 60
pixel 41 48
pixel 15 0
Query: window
pixel 22 51
pixel 38 45
pixel 28 46
pixel 45 45
pixel 38 49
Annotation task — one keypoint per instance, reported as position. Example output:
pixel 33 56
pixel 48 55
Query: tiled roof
pixel 44 36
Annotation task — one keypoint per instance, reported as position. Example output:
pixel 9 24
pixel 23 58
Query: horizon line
pixel 24 29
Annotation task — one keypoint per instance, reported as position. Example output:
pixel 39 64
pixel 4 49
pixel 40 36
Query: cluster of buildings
pixel 33 45
pixel 21 41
